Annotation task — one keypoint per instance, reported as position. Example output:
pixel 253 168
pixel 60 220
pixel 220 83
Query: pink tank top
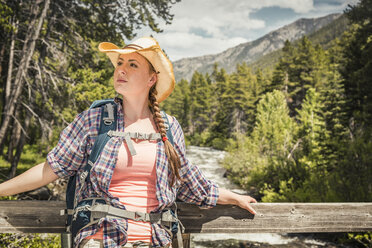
pixel 134 183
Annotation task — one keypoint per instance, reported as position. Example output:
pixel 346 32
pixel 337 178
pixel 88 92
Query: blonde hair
pixel 173 158
pixel 172 155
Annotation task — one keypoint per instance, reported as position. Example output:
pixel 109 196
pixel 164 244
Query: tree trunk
pixel 8 85
pixel 15 135
pixel 27 52
pixel 10 64
pixel 14 140
pixel 9 75
pixel 2 53
pixel 6 141
pixel 20 145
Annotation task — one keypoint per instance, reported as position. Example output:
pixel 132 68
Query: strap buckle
pixel 139 216
pixel 109 108
pixel 139 136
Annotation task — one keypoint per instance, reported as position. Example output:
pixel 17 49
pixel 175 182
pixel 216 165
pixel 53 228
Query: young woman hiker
pixel 136 174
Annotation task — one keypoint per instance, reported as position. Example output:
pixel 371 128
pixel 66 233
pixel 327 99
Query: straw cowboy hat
pixel 149 48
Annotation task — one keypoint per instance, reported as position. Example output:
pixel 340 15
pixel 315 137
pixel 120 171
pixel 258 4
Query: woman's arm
pixel 34 178
pixel 228 197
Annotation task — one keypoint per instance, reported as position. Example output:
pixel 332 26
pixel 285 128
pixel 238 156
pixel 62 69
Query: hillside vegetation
pixel 324 37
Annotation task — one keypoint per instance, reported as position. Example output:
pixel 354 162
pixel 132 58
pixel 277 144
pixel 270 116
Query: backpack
pixel 89 211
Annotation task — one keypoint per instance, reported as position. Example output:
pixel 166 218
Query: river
pixel 208 161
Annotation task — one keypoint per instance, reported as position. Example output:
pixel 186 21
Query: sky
pixel 202 27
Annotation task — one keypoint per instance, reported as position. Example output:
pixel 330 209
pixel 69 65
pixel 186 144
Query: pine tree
pixel 219 78
pixel 219 130
pixel 236 105
pixel 178 104
pixel 314 156
pixel 264 160
pixel 282 70
pixel 274 129
pixel 301 77
pixel 352 178
pixel 357 72
pixel 274 137
pixel 243 93
pixel 200 103
pixel 262 82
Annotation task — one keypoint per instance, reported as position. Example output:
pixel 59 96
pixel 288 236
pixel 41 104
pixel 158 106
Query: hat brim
pixel 154 54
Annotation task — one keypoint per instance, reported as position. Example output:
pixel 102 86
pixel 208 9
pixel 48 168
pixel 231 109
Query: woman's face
pixel 132 75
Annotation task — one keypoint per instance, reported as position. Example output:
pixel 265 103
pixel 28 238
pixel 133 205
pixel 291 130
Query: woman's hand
pixel 243 201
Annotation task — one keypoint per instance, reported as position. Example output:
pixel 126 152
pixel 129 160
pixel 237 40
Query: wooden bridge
pixel 44 217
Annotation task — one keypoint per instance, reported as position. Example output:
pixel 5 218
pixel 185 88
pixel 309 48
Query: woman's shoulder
pixel 170 118
pixel 88 120
pixel 173 121
pixel 91 115
pixel 175 127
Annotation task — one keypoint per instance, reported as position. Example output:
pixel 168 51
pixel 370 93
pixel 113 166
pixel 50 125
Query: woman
pixel 137 175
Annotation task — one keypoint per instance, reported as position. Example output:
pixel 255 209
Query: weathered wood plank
pixel 43 217
pixel 280 217
pixel 31 217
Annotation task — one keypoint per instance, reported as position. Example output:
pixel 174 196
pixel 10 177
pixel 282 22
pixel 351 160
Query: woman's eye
pixel 133 65
pixel 119 63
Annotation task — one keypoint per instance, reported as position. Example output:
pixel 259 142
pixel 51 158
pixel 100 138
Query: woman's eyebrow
pixel 134 60
pixel 130 60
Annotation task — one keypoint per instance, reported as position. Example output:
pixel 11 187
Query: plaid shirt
pixel 71 155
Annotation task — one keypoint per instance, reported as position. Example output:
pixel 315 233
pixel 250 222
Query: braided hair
pixel 173 158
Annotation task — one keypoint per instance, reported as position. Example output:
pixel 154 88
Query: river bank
pixel 208 160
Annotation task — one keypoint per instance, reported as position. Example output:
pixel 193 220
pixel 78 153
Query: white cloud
pixel 203 27
pixel 323 7
pixel 180 44
pixel 206 27
pixel 213 17
pixel 298 6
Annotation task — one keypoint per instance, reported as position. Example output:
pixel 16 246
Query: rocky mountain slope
pixel 251 51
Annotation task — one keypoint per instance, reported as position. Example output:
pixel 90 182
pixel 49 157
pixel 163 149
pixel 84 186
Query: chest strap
pixel 102 210
pixel 166 218
pixel 137 136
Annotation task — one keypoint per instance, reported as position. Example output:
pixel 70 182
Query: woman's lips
pixel 121 81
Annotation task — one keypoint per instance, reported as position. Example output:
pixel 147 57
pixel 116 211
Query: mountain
pixel 251 51
pixel 323 37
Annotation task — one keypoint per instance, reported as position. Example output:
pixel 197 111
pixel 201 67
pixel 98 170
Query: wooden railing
pixel 44 217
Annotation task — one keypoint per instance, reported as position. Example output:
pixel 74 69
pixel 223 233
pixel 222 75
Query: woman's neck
pixel 135 109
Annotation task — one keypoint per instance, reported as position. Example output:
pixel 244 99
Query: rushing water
pixel 208 161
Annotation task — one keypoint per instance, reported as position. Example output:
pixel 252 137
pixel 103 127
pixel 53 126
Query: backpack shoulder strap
pixel 108 122
pixel 99 103
pixel 167 127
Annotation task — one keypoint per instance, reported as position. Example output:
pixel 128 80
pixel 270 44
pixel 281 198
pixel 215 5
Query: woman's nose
pixel 122 70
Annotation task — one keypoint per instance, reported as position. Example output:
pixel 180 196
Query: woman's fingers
pixel 251 210
pixel 228 197
pixel 245 203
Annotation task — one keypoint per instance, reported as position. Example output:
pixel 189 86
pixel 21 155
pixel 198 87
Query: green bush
pixel 11 240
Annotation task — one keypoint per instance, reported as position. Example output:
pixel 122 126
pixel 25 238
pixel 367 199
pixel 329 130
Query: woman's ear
pixel 153 79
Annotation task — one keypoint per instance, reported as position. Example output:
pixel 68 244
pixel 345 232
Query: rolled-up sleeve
pixel 70 152
pixel 195 187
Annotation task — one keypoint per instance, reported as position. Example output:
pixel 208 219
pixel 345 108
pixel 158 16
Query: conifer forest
pixel 297 130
